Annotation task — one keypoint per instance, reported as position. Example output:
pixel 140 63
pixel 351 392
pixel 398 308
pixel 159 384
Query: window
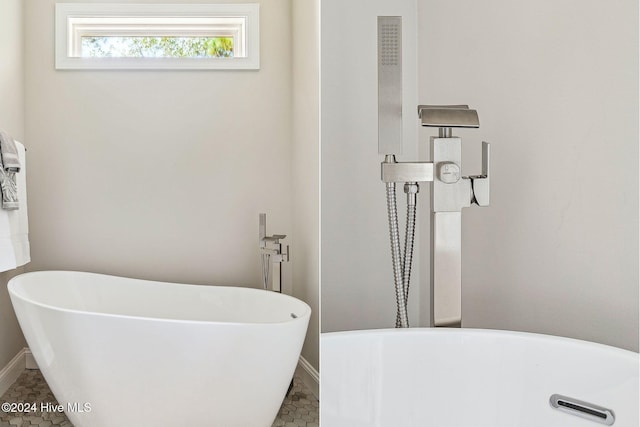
pixel 157 36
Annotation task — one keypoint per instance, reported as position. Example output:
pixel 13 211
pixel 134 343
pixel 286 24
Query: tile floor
pixel 299 409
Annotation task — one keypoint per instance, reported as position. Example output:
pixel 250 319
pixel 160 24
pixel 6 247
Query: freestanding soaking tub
pixel 119 351
pixel 474 378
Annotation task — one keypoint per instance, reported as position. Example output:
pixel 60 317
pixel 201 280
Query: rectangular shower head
pixel 389 85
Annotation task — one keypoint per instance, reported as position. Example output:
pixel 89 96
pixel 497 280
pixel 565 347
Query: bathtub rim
pixel 556 339
pixel 12 283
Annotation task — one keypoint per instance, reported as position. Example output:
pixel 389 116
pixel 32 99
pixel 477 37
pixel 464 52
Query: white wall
pixel 12 121
pixel 556 88
pixel 305 255
pixel 357 281
pixel 158 174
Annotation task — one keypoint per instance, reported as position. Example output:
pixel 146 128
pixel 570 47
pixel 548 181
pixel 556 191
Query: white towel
pixel 14 225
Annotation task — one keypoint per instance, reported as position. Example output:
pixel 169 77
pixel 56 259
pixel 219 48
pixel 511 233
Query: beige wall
pixel 11 69
pixel 11 120
pixel 11 338
pixel 158 174
pixel 556 88
pixel 305 255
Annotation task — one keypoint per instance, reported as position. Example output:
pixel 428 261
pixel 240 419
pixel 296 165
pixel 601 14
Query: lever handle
pixel 480 183
pixel 486 153
pixel 280 256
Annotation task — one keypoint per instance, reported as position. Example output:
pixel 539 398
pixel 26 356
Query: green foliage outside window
pixel 157 47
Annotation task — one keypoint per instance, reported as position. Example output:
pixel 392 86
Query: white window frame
pixel 77 20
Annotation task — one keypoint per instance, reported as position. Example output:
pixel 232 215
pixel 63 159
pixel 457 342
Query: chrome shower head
pixel 389 85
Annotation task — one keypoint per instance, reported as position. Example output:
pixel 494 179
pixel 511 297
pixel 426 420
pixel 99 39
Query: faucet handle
pixel 280 256
pixel 480 183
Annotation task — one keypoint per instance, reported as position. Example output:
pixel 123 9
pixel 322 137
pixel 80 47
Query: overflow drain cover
pixel 581 409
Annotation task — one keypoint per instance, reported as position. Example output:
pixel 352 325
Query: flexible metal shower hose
pixel 401 265
pixel 408 248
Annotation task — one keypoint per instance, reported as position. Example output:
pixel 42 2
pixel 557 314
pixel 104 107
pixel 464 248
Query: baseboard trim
pixel 310 377
pixel 10 373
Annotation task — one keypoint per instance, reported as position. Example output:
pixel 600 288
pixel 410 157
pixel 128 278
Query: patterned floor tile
pixel 299 409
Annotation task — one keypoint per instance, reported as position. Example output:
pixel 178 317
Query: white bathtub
pixel 140 353
pixel 472 378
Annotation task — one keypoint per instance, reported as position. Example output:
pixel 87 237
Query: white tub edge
pixel 12 292
pixel 480 331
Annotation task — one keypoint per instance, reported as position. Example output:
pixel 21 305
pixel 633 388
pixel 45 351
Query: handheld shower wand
pixel 390 144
